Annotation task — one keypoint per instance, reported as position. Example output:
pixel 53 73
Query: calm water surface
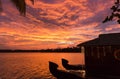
pixel 33 65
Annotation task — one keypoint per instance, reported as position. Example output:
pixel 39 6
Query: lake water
pixel 33 65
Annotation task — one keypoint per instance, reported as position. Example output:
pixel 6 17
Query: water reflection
pixel 33 65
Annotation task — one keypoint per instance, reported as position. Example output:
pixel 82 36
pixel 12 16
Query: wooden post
pixel 82 49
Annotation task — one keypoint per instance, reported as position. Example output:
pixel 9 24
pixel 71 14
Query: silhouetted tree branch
pixel 115 13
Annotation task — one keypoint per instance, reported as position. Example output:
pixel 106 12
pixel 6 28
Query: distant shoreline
pixel 58 50
pixel 36 51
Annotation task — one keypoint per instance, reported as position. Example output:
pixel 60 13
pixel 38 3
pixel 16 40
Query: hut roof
pixel 103 39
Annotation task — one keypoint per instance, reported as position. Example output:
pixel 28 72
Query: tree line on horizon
pixel 68 49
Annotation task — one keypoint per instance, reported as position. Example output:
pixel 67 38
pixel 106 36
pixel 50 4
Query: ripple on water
pixel 31 65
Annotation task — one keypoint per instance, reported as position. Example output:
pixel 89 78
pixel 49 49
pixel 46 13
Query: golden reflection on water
pixel 33 65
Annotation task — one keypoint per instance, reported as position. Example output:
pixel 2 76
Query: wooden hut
pixel 102 55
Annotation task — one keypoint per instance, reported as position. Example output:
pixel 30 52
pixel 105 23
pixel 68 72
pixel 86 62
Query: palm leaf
pixel 32 1
pixel 20 5
pixel 0 6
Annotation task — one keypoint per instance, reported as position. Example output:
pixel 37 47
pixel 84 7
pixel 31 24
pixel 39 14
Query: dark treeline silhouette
pixel 68 49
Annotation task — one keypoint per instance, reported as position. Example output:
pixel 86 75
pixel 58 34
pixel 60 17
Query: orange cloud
pixel 53 23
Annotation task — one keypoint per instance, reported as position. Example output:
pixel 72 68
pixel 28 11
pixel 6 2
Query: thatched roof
pixel 103 39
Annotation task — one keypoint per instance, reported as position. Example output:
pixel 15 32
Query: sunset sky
pixel 54 23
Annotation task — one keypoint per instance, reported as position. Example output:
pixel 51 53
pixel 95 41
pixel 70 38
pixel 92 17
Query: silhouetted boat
pixel 60 74
pixel 72 67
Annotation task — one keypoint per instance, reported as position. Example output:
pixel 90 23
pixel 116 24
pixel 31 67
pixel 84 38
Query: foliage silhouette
pixel 115 13
pixel 20 5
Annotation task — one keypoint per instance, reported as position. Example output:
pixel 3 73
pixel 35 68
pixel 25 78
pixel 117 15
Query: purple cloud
pixel 52 1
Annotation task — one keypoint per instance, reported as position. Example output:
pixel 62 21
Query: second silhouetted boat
pixel 72 67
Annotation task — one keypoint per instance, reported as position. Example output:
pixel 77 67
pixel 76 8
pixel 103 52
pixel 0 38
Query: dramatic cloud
pixel 54 23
